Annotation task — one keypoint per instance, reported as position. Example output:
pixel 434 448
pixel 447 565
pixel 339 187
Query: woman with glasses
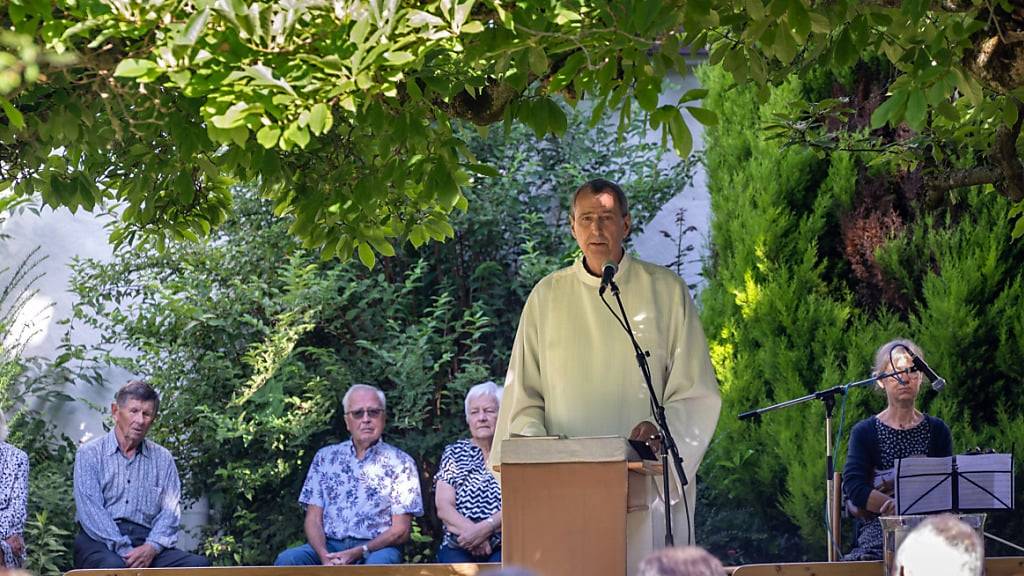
pixel 467 495
pixel 899 431
pixel 13 501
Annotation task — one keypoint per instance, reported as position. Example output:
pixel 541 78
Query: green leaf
pixel 693 94
pixel 320 119
pixel 917 110
pixel 358 34
pixel 473 27
pixel 682 139
pixel 969 86
pixel 397 58
pixel 483 170
pixel 134 68
pixel 268 136
pixel 703 115
pixel 566 73
pixel 264 76
pixel 754 8
pixel 891 111
pixel 556 120
pixel 538 60
pixel 383 246
pixel 193 28
pixel 799 19
pixel 297 134
pixel 13 114
pixel 366 255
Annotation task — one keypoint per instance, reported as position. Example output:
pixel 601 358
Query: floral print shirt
pixel 359 497
pixel 13 500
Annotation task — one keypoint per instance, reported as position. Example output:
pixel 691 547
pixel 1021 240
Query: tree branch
pixel 1005 169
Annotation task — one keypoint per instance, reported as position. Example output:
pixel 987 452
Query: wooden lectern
pixel 564 503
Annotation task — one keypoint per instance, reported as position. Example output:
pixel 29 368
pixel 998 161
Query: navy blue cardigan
pixel 864 456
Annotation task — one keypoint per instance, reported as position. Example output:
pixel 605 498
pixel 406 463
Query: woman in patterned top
pixel 899 431
pixel 467 494
pixel 13 501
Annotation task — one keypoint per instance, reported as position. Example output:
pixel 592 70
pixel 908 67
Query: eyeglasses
pixel 372 412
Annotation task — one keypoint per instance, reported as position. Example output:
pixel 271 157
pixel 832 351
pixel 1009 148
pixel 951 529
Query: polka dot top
pixel 894 443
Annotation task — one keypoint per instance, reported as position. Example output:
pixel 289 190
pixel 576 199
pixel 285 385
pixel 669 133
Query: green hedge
pixel 817 260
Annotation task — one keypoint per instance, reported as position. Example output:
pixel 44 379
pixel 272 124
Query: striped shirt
pixel 477 492
pixel 144 489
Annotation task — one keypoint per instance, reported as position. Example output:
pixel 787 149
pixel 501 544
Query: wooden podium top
pixel 356 570
pixel 1008 566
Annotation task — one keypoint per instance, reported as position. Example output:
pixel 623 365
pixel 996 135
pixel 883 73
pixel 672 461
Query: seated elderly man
pixel 941 546
pixel 128 493
pixel 360 495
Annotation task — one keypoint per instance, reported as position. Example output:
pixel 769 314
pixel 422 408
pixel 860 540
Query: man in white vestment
pixel 573 370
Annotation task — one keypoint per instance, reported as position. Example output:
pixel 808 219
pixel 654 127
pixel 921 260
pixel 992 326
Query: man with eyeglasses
pixel 573 371
pixel 360 495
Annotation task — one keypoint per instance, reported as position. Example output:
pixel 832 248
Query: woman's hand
pixel 476 534
pixel 484 549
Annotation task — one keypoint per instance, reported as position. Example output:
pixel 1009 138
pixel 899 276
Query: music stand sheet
pixel 986 481
pixel 924 485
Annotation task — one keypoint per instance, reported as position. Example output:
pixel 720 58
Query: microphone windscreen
pixel 938 384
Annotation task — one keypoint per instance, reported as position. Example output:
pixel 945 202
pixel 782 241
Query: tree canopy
pixel 342 111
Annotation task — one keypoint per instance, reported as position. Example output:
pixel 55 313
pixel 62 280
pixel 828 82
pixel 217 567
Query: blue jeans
pixel 450 555
pixel 305 555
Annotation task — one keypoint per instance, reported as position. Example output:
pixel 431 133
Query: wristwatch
pixel 366 551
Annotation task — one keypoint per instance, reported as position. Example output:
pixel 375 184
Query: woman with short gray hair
pixel 13 501
pixel 467 494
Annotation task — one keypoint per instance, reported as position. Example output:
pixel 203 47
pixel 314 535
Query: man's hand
pixel 475 535
pixel 350 556
pixel 141 556
pixel 16 543
pixel 330 558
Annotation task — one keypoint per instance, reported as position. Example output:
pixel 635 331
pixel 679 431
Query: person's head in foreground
pixel 688 561
pixel 941 546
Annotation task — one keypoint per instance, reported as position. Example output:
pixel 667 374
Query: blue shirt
pixel 359 497
pixel 144 489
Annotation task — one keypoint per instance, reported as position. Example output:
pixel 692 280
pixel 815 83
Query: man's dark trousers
pixel 91 554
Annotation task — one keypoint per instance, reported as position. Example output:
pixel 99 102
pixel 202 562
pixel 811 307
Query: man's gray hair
pixel 688 561
pixel 942 545
pixel 3 427
pixel 600 186
pixel 488 388
pixel 367 387
pixel 138 390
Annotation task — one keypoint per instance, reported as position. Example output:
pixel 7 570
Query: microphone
pixel 609 270
pixel 921 366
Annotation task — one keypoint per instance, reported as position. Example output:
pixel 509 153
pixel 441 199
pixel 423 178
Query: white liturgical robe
pixel 573 372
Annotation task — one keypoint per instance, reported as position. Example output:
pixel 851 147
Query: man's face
pixel 599 228
pixel 133 419
pixel 364 418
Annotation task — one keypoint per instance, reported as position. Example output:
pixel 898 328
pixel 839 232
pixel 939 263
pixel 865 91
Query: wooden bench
pixel 357 570
pixel 1009 566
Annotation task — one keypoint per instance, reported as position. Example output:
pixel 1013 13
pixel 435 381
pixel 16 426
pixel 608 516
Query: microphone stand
pixel 828 397
pixel 668 443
